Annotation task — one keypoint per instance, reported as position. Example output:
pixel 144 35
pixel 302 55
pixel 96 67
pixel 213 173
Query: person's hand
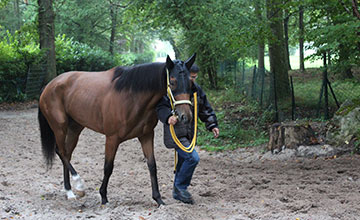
pixel 172 120
pixel 216 132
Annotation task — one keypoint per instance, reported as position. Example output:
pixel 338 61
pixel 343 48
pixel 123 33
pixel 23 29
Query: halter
pixel 173 103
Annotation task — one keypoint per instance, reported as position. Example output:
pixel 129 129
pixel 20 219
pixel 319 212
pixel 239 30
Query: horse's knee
pixel 151 165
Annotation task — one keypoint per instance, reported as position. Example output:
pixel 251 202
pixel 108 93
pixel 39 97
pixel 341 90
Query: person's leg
pixel 185 172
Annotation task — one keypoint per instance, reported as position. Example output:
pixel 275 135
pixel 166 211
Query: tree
pixel 47 36
pixel 334 28
pixel 286 36
pixel 301 38
pixel 278 65
pixel 261 43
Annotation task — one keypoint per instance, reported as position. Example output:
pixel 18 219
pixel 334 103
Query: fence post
pixel 326 94
pixel 292 99
pixel 235 64
pixel 262 86
pixel 243 75
pixel 333 94
pixel 253 85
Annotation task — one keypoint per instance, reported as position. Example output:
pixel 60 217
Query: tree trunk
pixel 278 65
pixel 301 38
pixel 286 35
pixel 113 16
pixel 345 68
pixel 261 44
pixel 211 71
pixel 18 15
pixel 290 135
pixel 46 27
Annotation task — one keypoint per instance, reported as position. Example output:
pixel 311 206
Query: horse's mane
pixel 140 78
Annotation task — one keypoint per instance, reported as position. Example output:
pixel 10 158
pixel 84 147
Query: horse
pixel 119 103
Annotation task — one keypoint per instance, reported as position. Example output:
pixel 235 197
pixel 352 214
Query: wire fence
pixel 20 89
pixel 309 95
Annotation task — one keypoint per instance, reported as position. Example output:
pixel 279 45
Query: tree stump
pixel 290 135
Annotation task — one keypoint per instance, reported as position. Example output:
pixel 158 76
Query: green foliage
pixel 72 55
pixel 125 59
pixel 331 29
pixel 17 52
pixel 3 3
pixel 242 123
pixel 146 57
pixel 128 59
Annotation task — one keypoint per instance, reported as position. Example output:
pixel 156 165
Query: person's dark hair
pixel 194 68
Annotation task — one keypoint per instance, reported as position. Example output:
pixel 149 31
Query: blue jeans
pixel 185 167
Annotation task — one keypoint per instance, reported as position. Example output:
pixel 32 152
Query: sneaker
pixel 182 195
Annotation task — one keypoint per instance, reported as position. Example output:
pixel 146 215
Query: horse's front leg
pixel 111 146
pixel 147 144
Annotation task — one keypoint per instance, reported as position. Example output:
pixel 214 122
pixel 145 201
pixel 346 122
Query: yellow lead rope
pixel 191 147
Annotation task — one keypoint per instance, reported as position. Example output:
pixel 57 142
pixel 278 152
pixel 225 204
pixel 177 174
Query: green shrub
pixel 146 57
pixel 128 59
pixel 125 59
pixel 17 52
pixel 72 55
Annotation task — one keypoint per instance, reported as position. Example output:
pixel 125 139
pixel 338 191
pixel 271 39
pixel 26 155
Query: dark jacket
pixel 185 132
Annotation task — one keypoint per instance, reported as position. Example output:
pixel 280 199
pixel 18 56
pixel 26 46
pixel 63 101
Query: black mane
pixel 140 78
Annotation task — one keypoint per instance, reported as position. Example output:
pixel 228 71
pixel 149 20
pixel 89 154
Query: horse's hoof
pixel 160 202
pixel 80 193
pixel 70 195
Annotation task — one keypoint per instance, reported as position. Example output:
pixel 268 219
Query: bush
pixel 17 52
pixel 128 59
pixel 72 55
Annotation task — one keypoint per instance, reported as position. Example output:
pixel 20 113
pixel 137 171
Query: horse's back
pixel 78 95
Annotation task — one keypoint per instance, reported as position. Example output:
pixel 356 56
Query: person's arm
pixel 163 110
pixel 206 113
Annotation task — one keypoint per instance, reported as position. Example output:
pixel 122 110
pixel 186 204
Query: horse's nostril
pixel 183 118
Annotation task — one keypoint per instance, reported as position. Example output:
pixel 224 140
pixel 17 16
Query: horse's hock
pixel 290 135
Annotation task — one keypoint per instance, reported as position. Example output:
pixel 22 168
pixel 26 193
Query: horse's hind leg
pixel 66 139
pixel 147 144
pixel 72 137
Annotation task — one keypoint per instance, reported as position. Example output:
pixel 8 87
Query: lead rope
pixel 173 102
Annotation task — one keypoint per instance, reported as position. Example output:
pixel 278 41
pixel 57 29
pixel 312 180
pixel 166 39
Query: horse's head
pixel 180 85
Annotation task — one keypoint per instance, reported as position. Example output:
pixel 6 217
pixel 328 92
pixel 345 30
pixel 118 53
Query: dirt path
pixel 232 185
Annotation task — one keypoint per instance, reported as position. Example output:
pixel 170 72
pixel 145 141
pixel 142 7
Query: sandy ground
pixel 232 185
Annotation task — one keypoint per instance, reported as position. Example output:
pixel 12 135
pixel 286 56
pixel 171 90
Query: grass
pixel 307 89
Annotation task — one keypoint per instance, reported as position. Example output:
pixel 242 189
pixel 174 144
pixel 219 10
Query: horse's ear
pixel 169 63
pixel 190 61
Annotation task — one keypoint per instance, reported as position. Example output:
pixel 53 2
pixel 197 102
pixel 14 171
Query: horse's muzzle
pixel 184 113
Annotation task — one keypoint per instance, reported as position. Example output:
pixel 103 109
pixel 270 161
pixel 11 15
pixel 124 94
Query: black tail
pixel 47 139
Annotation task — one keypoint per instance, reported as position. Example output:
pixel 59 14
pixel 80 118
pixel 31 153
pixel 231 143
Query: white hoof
pixel 70 195
pixel 78 183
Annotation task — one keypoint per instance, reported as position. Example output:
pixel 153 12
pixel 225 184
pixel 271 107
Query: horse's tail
pixel 47 139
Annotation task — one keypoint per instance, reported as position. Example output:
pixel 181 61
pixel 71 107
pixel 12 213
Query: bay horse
pixel 119 103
